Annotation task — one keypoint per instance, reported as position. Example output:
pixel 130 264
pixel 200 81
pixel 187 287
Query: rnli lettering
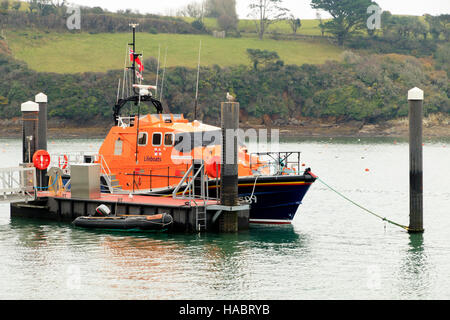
pixel 152 159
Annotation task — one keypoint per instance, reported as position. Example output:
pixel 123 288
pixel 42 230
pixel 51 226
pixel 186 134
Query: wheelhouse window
pixel 168 139
pixel 156 141
pixel 143 138
pixel 118 147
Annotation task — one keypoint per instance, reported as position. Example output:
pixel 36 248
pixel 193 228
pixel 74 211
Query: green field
pixel 83 52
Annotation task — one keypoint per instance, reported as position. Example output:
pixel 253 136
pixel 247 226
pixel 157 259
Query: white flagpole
pixel 163 76
pixel 157 71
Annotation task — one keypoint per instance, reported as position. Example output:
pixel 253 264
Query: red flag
pixel 138 61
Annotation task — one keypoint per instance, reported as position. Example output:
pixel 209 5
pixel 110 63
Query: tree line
pixel 52 15
pixel 349 23
pixel 263 12
pixel 363 87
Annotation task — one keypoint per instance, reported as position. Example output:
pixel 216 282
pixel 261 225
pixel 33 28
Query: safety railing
pixel 126 122
pixel 153 179
pixel 17 184
pixel 194 184
pixel 65 160
pixel 279 163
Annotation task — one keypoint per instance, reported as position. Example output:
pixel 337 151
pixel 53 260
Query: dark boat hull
pixel 272 199
pixel 126 223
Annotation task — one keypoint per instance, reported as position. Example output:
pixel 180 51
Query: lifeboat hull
pixel 273 199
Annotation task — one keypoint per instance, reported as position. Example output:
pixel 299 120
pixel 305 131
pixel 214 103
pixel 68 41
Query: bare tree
pixel 194 10
pixel 225 12
pixel 295 23
pixel 266 12
pixel 321 24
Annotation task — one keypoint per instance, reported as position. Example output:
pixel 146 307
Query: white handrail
pixel 17 184
pixel 78 158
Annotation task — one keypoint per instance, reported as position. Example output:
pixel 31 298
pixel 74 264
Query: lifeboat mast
pixel 141 93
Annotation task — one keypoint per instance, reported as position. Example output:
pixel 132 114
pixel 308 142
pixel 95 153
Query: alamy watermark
pixel 200 145
pixel 374 21
pixel 73 22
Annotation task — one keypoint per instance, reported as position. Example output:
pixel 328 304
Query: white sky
pixel 300 8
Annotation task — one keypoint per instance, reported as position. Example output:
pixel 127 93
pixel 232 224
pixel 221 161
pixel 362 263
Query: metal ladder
pixel 111 180
pixel 200 217
pixel 195 184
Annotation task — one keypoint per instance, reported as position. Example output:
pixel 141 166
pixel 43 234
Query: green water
pixel 332 251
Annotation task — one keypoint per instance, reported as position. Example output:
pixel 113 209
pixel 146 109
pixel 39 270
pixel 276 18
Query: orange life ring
pixel 41 159
pixel 63 164
pixel 212 167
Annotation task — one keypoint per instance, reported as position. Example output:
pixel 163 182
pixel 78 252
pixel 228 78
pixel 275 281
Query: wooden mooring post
pixel 415 98
pixel 234 217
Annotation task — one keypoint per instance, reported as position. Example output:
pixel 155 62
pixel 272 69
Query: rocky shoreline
pixel 434 126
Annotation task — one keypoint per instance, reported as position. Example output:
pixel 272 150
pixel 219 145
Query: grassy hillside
pixel 84 52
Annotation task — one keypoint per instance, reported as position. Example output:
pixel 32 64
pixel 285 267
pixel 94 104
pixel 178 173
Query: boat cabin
pixel 156 151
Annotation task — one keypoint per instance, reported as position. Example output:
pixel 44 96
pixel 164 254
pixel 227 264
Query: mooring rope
pixel 254 187
pixel 363 208
pixel 48 187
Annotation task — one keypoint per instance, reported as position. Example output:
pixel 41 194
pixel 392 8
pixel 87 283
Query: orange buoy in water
pixel 303 165
pixel 367 170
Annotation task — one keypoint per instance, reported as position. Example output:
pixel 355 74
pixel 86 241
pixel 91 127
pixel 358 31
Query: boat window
pixel 118 147
pixel 142 141
pixel 157 137
pixel 168 139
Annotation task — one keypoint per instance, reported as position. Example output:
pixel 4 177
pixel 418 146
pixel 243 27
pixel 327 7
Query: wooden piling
pixel 229 169
pixel 415 98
